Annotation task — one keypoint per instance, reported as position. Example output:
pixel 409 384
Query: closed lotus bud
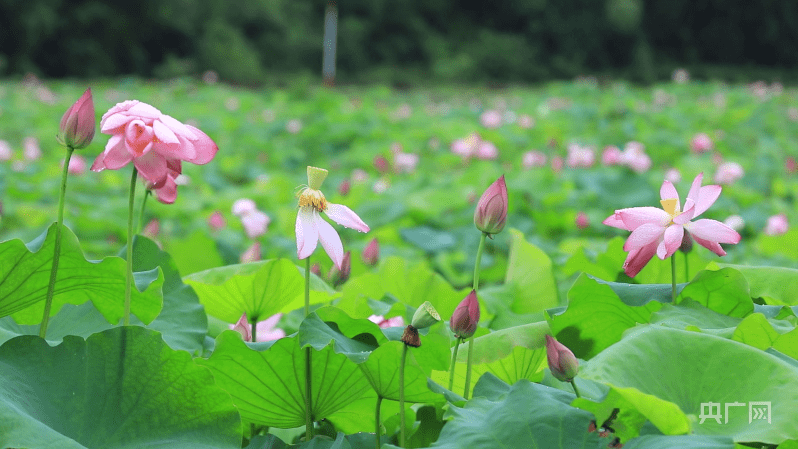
pixel 78 124
pixel 316 269
pixel 371 254
pixel 243 327
pixel 562 362
pixel 491 213
pixel 465 317
pixel 425 316
pixel 338 277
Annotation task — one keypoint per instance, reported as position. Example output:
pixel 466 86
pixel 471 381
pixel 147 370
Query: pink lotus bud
pixel 791 165
pixel 243 327
pixel 562 362
pixel 611 155
pixel 490 215
pixel 381 164
pixel 491 119
pixel 465 317
pixel 777 225
pixel 728 173
pixel 338 277
pixel 582 221
pixel 252 254
pixel 344 187
pixel 78 123
pixel 216 221
pixel 701 143
pixel 371 254
pixel 316 269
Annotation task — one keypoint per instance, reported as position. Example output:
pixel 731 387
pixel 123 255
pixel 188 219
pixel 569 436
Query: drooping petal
pixel 205 148
pixel 152 167
pixel 167 194
pixel 344 216
pixel 668 191
pixel 671 241
pixel 713 231
pixel 633 217
pixel 615 221
pixel 643 235
pixel 712 246
pixel 638 258
pixel 115 155
pixel 706 198
pixel 330 240
pixel 307 235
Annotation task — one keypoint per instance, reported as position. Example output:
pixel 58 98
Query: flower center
pixel 314 198
pixel 669 206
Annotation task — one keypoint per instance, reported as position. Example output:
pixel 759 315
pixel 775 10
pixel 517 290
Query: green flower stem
pixel 57 252
pixel 573 384
pixel 129 282
pixel 673 279
pixel 477 264
pixel 253 325
pixel 147 194
pixel 686 269
pixel 308 363
pixel 468 368
pixel 402 397
pixel 377 428
pixel 451 365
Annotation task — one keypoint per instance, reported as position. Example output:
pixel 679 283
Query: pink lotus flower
pixel 487 151
pixel 5 151
pixel 371 254
pixel 491 119
pixel 405 162
pixel 777 225
pixel 77 125
pixel 383 323
pixel 30 149
pixel 582 221
pixel 579 157
pixel 673 175
pixel 266 330
pixel 465 317
pixel 255 223
pixel 532 159
pixel 660 231
pixel 166 192
pixel 251 254
pixel 311 228
pixel 701 143
pixel 562 362
pixel 216 221
pixel 152 140
pixel 611 156
pixel 490 216
pixel 728 173
pixel 77 165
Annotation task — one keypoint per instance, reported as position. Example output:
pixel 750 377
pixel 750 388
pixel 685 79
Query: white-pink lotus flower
pixel 311 228
pixel 660 231
pixel 266 330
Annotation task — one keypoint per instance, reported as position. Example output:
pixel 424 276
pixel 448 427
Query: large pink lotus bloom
pixel 311 228
pixel 142 134
pixel 660 231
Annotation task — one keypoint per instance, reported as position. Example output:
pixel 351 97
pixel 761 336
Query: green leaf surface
pixel 259 289
pixel 689 314
pixel 382 371
pixel 25 274
pixel 681 442
pixel 777 285
pixel 353 338
pixel 185 251
pixel 756 331
pixel 268 386
pixel 121 388
pixel 724 291
pixel 531 270
pixel 687 366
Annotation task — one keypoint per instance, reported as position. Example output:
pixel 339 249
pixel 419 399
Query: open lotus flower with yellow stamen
pixel 660 231
pixel 311 228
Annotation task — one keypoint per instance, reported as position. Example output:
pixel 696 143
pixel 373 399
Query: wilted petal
pixel 668 191
pixel 330 240
pixel 344 216
pixel 671 240
pixel 706 198
pixel 633 217
pixel 713 231
pixel 644 235
pixel 307 235
pixel 638 258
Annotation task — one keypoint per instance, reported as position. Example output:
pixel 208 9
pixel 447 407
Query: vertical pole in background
pixel 330 37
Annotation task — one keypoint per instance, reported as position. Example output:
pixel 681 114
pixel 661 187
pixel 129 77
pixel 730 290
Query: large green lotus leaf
pixel 121 388
pixel 691 315
pixel 382 371
pixel 259 289
pixel 690 369
pixel 777 285
pixel 268 386
pixel 641 294
pixel 526 415
pixel 724 291
pixel 81 321
pixel 25 274
pixel 792 444
pixel 184 253
pixel 788 343
pixel 756 331
pixel 681 442
pixel 272 442
pixel 355 338
pixel 596 317
pixel 411 285
pixel 530 269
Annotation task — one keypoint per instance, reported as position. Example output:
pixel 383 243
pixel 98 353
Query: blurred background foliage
pixel 406 42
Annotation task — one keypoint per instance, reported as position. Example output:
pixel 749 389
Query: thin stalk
pixel 402 397
pixel 478 261
pixel 378 427
pixel 673 280
pixel 253 325
pixel 57 251
pixel 573 384
pixel 308 363
pixel 454 359
pixel 468 368
pixel 686 269
pixel 147 194
pixel 129 282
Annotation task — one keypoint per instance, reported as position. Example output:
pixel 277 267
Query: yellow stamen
pixel 669 206
pixel 314 198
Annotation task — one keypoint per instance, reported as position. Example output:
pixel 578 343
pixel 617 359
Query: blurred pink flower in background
pixel 532 159
pixel 701 143
pixel 673 175
pixel 293 126
pixel 777 225
pixel 635 157
pixel 611 155
pixel 582 221
pixel 232 104
pixel 359 175
pixel 254 221
pixel 216 221
pixel 728 172
pixel 383 323
pixel 580 157
pixel 243 206
pixel 487 151
pixel 265 330
pixel 661 231
pixel 344 187
pixel 5 151
pixel 680 76
pixel 557 164
pixel 381 164
pixel 30 149
pixel 467 146
pixel 210 77
pixel 405 162
pixel 77 165
pixel 491 119
pixel 735 222
pixel 525 121
pixel 792 113
pixel 790 165
pixel 151 229
pixel 759 89
pixel 371 253
pixel 251 254
pixel 381 185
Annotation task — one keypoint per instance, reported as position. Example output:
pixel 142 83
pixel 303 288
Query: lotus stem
pixel 454 360
pixel 129 280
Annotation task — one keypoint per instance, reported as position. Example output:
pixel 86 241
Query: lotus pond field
pixel 564 266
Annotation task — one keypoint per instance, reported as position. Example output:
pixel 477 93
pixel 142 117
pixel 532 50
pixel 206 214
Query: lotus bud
pixel 562 362
pixel 243 328
pixel 78 124
pixel 338 277
pixel 490 215
pixel 371 254
pixel 425 316
pixel 316 269
pixel 465 317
